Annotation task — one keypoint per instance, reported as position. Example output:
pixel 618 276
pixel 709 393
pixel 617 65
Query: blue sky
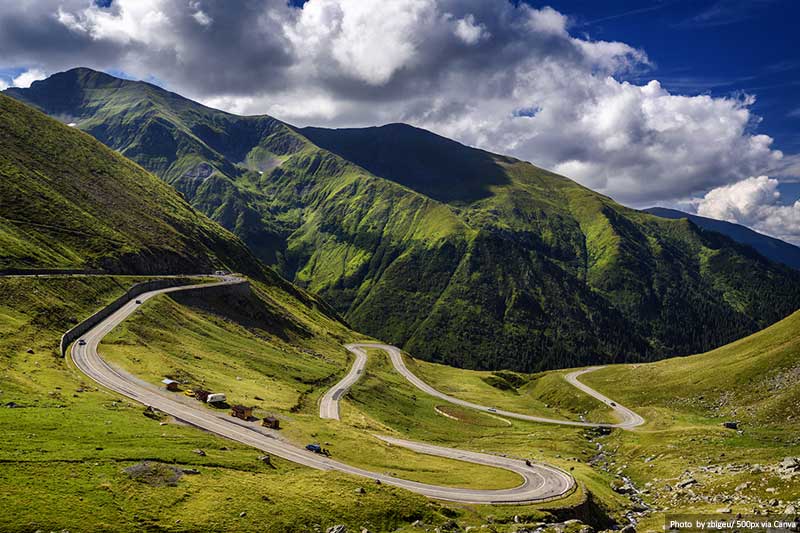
pixel 711 47
pixel 716 47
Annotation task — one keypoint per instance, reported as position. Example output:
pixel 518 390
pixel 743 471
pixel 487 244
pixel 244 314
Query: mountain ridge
pixel 524 270
pixel 70 203
pixel 770 247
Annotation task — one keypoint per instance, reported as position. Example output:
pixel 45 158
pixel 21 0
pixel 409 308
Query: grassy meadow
pixel 67 445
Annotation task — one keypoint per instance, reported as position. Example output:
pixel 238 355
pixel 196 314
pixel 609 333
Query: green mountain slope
pixel 458 255
pixel 770 247
pixel 69 202
pixel 752 380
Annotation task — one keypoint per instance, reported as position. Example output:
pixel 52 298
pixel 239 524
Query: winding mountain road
pixel 329 405
pixel 540 482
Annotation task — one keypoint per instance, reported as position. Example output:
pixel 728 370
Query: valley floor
pixel 68 443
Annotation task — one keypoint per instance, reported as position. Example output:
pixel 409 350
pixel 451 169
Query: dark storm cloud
pixel 239 51
pixel 32 35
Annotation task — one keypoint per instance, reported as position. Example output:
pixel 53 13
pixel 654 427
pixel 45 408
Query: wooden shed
pixel 271 422
pixel 241 411
pixel 170 384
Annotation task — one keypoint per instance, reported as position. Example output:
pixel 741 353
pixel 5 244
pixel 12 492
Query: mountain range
pixel 770 247
pixel 457 254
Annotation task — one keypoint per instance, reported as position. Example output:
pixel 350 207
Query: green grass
pixel 753 380
pixel 685 400
pixel 63 454
pixel 287 351
pixel 543 394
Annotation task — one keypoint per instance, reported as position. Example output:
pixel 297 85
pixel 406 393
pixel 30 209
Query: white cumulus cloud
pixel 470 32
pixel 29 76
pixel 754 202
pixel 202 18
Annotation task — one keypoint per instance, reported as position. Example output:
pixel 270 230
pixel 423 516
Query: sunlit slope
pixel 456 254
pixel 67 444
pixel 754 379
pixel 70 202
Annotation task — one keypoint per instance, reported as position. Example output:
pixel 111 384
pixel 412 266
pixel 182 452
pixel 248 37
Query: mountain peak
pixel 436 166
pixel 62 92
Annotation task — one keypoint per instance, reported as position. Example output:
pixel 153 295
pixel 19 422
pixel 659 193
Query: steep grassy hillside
pixel 753 380
pixel 459 255
pixel 70 202
pixel 684 456
pixel 770 247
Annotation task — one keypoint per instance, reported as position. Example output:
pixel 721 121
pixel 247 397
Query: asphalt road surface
pixel 329 405
pixel 540 482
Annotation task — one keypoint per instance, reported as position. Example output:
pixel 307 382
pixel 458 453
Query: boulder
pixel 199 452
pixel 789 464
pixel 688 482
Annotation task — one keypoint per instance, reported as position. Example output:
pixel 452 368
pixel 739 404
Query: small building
pixel 170 384
pixel 241 411
pixel 271 422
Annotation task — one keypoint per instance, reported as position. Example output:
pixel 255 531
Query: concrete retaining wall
pixel 70 336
